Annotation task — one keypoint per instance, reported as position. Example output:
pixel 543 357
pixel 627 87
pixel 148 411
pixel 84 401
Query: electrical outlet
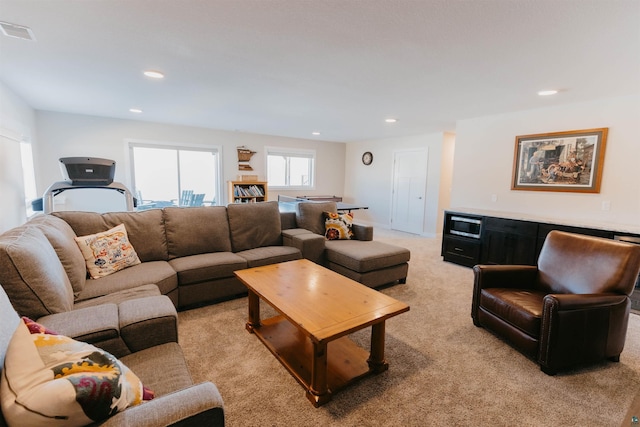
pixel 494 197
pixel 606 205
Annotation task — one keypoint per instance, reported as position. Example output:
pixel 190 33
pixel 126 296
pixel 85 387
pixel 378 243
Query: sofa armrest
pixel 311 245
pixel 90 324
pixel 362 232
pixel 147 322
pixel 198 405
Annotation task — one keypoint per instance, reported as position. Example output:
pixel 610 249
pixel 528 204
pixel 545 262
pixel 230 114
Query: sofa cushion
pixel 205 267
pixel 173 375
pixel 269 255
pixel 309 215
pixel 196 230
pixel 62 238
pixel 49 376
pixel 338 226
pixel 365 256
pixel 145 229
pixel 159 273
pixel 31 273
pixel 254 225
pixel 107 252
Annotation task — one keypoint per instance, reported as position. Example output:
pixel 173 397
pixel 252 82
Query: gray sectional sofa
pixel 188 258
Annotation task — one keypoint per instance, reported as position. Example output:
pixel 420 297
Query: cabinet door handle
pixel 458 249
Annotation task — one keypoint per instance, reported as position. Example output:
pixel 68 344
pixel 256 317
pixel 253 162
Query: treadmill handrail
pixel 60 186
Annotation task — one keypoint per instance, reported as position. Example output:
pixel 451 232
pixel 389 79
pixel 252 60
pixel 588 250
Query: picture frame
pixel 570 161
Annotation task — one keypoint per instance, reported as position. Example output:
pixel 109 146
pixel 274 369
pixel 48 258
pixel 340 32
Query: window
pixel 290 168
pixel 174 175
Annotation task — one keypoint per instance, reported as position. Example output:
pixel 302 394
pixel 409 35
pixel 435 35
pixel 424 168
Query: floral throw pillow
pixel 51 379
pixel 338 226
pixel 107 252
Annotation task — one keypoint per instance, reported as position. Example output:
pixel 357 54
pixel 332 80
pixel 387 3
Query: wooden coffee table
pixel 317 309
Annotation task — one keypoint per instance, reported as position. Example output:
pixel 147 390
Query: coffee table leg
pixel 318 392
pixel 376 358
pixel 254 311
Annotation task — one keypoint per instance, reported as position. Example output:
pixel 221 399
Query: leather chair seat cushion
pixel 519 307
pixel 365 256
pixel 203 267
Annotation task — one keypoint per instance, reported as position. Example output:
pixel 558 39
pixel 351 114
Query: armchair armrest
pixel 199 405
pixel 566 302
pixel 582 327
pixel 504 276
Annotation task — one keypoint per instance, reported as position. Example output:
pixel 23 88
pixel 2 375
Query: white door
pixel 409 190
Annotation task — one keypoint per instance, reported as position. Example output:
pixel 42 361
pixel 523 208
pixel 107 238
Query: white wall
pixel 371 185
pixel 70 135
pixel 484 160
pixel 17 124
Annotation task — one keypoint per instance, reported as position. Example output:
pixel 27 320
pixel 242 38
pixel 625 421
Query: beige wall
pixel 70 135
pixel 17 124
pixel 371 185
pixel 484 158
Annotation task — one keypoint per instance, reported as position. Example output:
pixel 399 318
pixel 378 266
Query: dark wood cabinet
pixel 472 238
pixel 461 250
pixel 507 241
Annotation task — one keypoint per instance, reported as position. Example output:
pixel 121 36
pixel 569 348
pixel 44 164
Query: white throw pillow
pixel 107 252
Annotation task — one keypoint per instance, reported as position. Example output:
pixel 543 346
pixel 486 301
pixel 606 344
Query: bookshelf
pixel 247 191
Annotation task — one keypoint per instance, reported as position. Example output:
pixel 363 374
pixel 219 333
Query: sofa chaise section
pixel 360 258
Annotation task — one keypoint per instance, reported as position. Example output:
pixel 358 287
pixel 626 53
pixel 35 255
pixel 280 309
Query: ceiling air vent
pixel 18 31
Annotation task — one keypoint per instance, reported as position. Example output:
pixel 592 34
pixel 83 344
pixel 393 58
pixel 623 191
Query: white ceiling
pixel 340 67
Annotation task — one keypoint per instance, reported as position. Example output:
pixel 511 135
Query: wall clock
pixel 367 158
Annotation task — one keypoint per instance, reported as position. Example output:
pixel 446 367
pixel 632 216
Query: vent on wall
pixel 17 31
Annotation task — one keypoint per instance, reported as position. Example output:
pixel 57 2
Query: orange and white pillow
pixel 338 226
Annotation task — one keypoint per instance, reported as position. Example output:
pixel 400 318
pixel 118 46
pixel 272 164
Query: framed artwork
pixel 561 161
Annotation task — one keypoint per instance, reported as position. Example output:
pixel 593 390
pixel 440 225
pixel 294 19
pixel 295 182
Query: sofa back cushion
pixel 145 229
pixel 254 225
pixel 580 264
pixel 309 215
pixel 196 230
pixel 31 273
pixel 62 238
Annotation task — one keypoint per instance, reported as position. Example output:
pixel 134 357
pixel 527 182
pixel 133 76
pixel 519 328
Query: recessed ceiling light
pixel 135 110
pixel 315 133
pixel 390 120
pixel 154 74
pixel 547 92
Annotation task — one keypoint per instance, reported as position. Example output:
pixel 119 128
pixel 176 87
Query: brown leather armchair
pixel 570 309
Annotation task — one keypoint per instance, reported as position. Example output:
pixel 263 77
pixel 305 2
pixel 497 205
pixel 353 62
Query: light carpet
pixel 443 370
